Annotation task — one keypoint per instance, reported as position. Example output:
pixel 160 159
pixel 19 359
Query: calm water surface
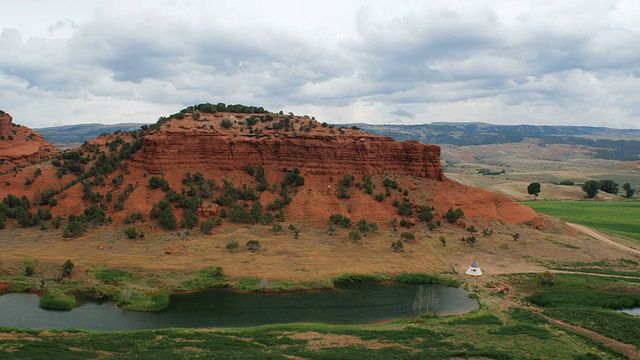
pixel 632 311
pixel 350 304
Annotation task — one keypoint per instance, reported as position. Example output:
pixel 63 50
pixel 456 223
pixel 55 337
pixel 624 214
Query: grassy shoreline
pixel 132 291
pixel 516 331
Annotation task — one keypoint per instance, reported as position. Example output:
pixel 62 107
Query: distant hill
pixel 71 136
pixel 606 143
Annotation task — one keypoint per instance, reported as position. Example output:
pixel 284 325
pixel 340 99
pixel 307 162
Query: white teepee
pixel 474 269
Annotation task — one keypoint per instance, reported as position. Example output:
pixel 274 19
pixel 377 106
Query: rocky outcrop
pixel 5 123
pixel 318 152
pixel 21 144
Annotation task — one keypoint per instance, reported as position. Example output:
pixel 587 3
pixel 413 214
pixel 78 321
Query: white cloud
pixel 539 62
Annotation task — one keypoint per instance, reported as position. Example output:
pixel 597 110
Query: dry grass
pixel 315 255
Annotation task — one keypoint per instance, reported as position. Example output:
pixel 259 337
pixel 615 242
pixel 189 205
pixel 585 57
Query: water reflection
pixel 351 304
pixel 632 311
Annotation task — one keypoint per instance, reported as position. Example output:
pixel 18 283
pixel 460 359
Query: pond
pixel 350 304
pixel 632 311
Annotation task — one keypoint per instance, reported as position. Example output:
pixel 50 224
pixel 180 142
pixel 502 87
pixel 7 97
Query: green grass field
pixel 620 218
pixel 481 335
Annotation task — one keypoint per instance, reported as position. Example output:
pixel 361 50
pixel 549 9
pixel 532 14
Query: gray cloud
pixel 403 113
pixel 564 63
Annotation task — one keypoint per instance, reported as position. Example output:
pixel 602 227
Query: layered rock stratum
pixel 19 144
pixel 193 144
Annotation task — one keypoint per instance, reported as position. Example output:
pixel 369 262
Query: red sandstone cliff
pixel 21 144
pixel 5 123
pixel 193 145
pixel 220 146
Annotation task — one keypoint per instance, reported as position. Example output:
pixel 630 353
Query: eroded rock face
pixel 5 123
pixel 318 153
pixel 21 144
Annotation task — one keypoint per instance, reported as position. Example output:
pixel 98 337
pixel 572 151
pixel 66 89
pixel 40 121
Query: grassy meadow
pixel 620 217
pixel 519 334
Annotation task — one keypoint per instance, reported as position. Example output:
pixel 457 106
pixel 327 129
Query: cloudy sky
pixel 564 62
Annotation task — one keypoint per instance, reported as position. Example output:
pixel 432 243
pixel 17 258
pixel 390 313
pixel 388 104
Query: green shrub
pixel 157 182
pixel 67 268
pixel 357 278
pixel 146 302
pixel 238 214
pixel 56 299
pixel 453 215
pixel 347 180
pixel 168 220
pixel 190 219
pixel 207 226
pixel 364 226
pixel 342 192
pixel 29 267
pixel 341 220
pixel 425 214
pixel 207 278
pixel 133 233
pixel 74 229
pixel 397 246
pixel 226 123
pixel 46 197
pixel 253 245
pixel 388 183
pixel 407 236
pixel 232 245
pixel 368 185
pixel 405 208
pixel 355 235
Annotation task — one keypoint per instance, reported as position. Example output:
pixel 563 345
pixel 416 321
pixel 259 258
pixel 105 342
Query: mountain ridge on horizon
pixel 608 143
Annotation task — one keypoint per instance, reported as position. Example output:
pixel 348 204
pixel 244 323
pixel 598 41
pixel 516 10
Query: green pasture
pixel 620 217
pixel 519 334
pixel 588 301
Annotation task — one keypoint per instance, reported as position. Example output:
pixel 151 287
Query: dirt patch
pixel 181 340
pixel 17 336
pixel 318 341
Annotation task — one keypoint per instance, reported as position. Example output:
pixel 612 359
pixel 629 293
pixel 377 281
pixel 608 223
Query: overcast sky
pixel 564 62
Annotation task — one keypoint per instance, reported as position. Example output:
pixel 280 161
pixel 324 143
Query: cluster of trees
pixel 592 187
pixel 229 197
pixel 453 215
pixel 344 184
pixel 13 207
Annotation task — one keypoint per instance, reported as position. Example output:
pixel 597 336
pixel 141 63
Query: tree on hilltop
pixel 628 190
pixel 591 188
pixel 534 189
pixel 609 186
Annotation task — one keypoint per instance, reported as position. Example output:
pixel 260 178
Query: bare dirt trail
pixel 594 234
